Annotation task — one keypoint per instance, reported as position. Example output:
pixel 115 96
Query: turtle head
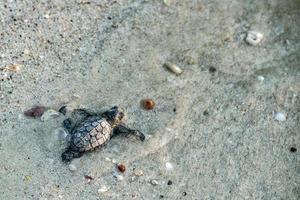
pixel 115 115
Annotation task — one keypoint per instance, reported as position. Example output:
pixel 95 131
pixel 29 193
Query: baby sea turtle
pixel 94 131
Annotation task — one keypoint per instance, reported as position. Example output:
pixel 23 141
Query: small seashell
pixel 279 116
pixel 72 167
pixel 103 189
pixel 254 38
pixel 37 111
pixel 169 166
pixel 138 172
pixel 173 68
pixel 49 114
pixel 154 182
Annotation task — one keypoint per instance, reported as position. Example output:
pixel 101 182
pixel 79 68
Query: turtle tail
pixel 70 154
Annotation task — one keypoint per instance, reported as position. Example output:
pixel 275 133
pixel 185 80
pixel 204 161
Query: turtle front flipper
pixel 70 154
pixel 121 129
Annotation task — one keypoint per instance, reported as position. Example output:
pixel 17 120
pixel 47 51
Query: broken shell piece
pixel 72 167
pixel 49 114
pixel 167 2
pixel 173 68
pixel 103 189
pixel 169 166
pixel 13 68
pixel 138 172
pixel 280 116
pixel 254 38
pixel 154 182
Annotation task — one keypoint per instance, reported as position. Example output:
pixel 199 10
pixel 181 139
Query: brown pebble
pixel 37 111
pixel 148 104
pixel 121 168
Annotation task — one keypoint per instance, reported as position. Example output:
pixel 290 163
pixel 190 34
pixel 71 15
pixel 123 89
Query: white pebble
pixel 173 68
pixel 254 38
pixel 154 182
pixel 49 114
pixel 260 78
pixel 103 189
pixel 279 116
pixel 169 166
pixel 138 172
pixel 72 167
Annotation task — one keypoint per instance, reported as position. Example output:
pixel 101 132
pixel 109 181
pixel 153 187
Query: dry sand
pixel 216 128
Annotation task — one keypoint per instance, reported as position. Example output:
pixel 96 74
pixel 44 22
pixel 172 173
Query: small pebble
pixel 88 178
pixel 138 172
pixel 170 182
pixel 184 193
pixel 254 38
pixel 293 149
pixel 103 189
pixel 212 69
pixel 260 78
pixel 173 68
pixel 72 167
pixel 148 104
pixel 63 110
pixel 169 166
pixel 279 116
pixel 35 112
pixel 121 167
pixel 154 182
pixel 61 133
pixel 49 114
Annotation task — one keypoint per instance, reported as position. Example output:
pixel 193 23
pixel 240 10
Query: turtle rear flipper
pixel 70 154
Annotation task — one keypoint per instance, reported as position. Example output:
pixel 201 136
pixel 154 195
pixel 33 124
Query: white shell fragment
pixel 154 182
pixel 72 167
pixel 169 166
pixel 167 2
pixel 254 38
pixel 279 116
pixel 120 177
pixel 103 189
pixel 173 68
pixel 49 114
pixel 138 172
pixel 260 78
